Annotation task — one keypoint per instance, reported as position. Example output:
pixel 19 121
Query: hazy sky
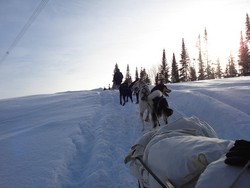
pixel 74 45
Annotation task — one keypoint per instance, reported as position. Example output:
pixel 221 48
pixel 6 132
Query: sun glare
pixel 223 22
pixel 224 37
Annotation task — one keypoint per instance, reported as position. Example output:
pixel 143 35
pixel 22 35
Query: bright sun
pixel 223 23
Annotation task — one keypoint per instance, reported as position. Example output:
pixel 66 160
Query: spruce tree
pixel 174 71
pixel 185 62
pixel 226 74
pixel 136 74
pixel 147 80
pixel 201 75
pixel 233 70
pixel 116 68
pixel 244 58
pixel 193 76
pixel 218 73
pixel 128 78
pixel 209 72
pixel 157 79
pixel 230 68
pixel 247 30
pixel 144 75
pixel 164 69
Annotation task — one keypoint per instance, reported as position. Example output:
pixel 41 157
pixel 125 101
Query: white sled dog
pixel 143 103
pixel 146 103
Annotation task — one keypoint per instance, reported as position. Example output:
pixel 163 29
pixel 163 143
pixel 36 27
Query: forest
pixel 200 68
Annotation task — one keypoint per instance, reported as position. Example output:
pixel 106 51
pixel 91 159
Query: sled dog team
pixel 152 102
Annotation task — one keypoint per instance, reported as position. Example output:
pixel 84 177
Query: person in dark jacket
pixel 117 80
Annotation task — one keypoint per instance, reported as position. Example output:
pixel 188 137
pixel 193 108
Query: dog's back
pixel 125 91
pixel 160 108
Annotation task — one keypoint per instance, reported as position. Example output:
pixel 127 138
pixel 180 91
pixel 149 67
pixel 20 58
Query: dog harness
pixel 145 92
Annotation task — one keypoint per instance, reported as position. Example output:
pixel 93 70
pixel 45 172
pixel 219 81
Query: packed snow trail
pixel 75 139
pixel 106 142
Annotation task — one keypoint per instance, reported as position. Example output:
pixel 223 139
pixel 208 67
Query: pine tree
pixel 136 74
pixel 174 71
pixel 193 76
pixel 144 75
pixel 230 68
pixel 185 64
pixel 218 73
pixel 128 78
pixel 233 70
pixel 157 79
pixel 209 72
pixel 164 70
pixel 244 58
pixel 116 68
pixel 213 73
pixel 247 30
pixel 147 80
pixel 201 75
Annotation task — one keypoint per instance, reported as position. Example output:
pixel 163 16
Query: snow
pixel 80 138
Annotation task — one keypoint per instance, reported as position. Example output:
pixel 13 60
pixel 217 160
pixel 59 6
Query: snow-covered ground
pixel 80 138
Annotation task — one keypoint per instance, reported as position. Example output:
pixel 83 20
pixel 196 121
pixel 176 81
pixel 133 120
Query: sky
pixel 74 45
pixel 81 138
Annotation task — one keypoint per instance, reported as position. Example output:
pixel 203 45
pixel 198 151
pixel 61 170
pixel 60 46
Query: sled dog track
pixel 78 164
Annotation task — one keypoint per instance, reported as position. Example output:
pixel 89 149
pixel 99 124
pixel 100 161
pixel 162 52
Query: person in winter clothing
pixel 117 80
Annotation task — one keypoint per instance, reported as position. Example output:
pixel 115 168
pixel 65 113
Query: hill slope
pixel 80 139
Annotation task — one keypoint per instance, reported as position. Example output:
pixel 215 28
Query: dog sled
pixel 186 153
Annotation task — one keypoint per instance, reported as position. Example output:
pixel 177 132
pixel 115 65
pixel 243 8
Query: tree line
pixel 201 68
